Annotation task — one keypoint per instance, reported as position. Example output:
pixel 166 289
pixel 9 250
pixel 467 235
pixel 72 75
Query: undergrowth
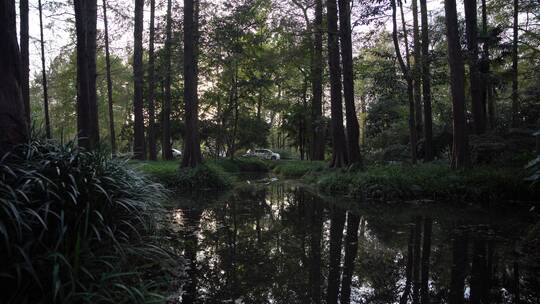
pixel 80 227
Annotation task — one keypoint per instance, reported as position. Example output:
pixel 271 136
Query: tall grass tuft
pixel 78 227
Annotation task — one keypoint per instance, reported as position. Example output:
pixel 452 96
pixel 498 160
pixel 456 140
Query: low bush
pixel 297 169
pixel 79 227
pixel 207 176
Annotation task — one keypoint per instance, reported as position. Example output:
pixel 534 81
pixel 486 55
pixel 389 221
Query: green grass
pixel 211 175
pixel 424 181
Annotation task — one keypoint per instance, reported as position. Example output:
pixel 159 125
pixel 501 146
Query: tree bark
pixel 13 127
pixel 351 250
pixel 479 272
pixel 487 89
pixel 166 147
pixel 426 84
pixel 339 147
pixel 406 71
pixel 85 24
pixel 471 26
pixel 25 59
pixel 44 74
pixel 353 128
pixel 192 148
pixel 460 147
pixel 139 151
pixel 334 268
pixel 515 93
pixel 315 252
pixel 408 268
pixel 109 80
pixel 152 149
pixel 318 144
pixel 417 257
pixel 417 68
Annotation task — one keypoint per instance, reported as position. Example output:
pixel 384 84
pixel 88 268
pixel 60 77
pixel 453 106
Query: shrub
pixel 77 227
pixel 296 169
pixel 206 176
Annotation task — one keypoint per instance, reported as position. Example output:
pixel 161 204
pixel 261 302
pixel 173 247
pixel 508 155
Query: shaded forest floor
pixel 392 182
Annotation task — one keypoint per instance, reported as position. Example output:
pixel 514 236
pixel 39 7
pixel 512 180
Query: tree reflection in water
pixel 285 244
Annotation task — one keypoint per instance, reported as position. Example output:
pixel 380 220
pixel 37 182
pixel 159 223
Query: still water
pixel 283 243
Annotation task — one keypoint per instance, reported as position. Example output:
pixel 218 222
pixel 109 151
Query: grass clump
pixel 241 165
pixel 79 227
pixel 206 176
pixel 297 169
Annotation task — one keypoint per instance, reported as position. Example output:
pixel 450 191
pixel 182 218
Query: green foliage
pixel 241 164
pixel 79 227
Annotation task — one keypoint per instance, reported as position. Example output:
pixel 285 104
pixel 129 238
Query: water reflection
pixel 285 244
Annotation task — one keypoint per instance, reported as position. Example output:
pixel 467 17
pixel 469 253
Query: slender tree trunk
pixel 13 122
pixel 405 69
pixel 25 58
pixel 109 80
pixel 460 147
pixel 318 143
pixel 426 84
pixel 339 146
pixel 487 95
pixel 515 93
pixel 353 128
pixel 139 151
pixel 44 74
pixel 426 253
pixel 334 267
pixel 351 250
pixel 479 273
pixel 85 24
pixel 192 149
pixel 417 68
pixel 517 297
pixel 151 133
pixel 474 73
pixel 166 147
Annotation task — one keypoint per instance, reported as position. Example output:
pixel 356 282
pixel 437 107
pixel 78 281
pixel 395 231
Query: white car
pixel 176 152
pixel 263 153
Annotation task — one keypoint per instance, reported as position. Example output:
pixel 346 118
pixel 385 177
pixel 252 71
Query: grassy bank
pixel 424 181
pixel 219 174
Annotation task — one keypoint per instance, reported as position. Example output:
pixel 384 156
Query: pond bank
pixel 407 182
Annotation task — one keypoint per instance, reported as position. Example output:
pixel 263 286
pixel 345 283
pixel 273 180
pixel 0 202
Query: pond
pixel 279 242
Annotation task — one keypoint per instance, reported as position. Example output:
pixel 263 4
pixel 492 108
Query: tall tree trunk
pixel 109 80
pixel 25 58
pixel 479 273
pixel 152 149
pixel 139 151
pixel 318 143
pixel 426 84
pixel 192 148
pixel 353 129
pixel 12 111
pixel 44 74
pixel 426 253
pixel 474 73
pixel 459 267
pixel 460 147
pixel 408 268
pixel 334 268
pixel 351 250
pixel 515 93
pixel 166 147
pixel 406 71
pixel 487 90
pixel 85 24
pixel 417 68
pixel 339 146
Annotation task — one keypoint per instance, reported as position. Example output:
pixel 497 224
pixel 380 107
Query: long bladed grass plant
pixel 79 227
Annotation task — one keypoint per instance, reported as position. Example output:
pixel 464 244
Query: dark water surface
pixel 282 243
